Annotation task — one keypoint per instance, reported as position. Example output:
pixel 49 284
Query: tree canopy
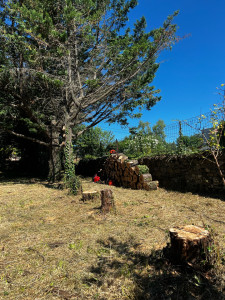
pixel 69 62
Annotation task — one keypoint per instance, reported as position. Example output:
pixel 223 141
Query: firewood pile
pixel 126 173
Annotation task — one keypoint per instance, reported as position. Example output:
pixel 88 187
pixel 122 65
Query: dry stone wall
pixel 192 173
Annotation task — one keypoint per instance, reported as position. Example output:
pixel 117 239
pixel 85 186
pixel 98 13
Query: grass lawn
pixel 54 246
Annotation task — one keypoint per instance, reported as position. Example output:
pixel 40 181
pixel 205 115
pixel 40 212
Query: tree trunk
pixel 188 243
pixel 107 200
pixel 90 195
pixel 55 163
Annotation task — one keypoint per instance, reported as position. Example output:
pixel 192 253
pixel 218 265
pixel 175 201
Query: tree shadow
pixel 154 276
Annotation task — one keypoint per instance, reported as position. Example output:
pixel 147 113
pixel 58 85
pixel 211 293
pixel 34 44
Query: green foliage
pixel 144 141
pixel 71 180
pixel 143 169
pixel 189 144
pixel 93 142
pixel 74 62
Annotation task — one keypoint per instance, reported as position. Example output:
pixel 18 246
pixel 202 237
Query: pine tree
pixel 67 62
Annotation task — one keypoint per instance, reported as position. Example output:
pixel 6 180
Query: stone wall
pixel 192 173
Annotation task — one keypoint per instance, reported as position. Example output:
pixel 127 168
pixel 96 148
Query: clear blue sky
pixel 189 74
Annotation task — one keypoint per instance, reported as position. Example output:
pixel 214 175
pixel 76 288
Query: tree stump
pixel 188 243
pixel 107 200
pixel 89 195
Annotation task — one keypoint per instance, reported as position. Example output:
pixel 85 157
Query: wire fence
pixel 193 126
pixel 192 134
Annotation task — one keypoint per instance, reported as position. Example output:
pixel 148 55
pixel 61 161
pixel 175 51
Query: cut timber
pixel 139 186
pixel 135 178
pixel 90 195
pixel 122 157
pixel 147 177
pixel 152 185
pixel 188 243
pixel 135 169
pixel 133 185
pixel 132 163
pixel 107 200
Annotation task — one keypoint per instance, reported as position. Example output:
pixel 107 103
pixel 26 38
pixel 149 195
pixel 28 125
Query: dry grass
pixel 53 246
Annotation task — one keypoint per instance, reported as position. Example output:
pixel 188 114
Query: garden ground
pixel 54 246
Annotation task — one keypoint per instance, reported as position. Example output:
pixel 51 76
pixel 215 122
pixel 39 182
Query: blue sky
pixel 189 74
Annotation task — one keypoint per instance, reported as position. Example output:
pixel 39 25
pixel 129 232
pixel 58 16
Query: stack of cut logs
pixel 126 173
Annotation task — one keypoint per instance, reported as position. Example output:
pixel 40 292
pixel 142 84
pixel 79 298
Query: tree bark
pixel 55 163
pixel 188 243
pixel 107 200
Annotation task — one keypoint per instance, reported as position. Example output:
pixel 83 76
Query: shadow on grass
pixel 153 277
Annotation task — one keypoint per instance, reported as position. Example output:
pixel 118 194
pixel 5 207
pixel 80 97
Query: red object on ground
pixel 112 151
pixel 96 178
pixel 110 182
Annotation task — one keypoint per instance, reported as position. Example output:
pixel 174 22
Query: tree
pixel 214 137
pixel 158 130
pixel 190 144
pixel 144 141
pixel 69 62
pixel 93 142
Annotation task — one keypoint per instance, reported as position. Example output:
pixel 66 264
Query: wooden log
pixel 141 179
pixel 133 185
pixel 139 186
pixel 152 185
pixel 132 163
pixel 89 195
pixel 126 172
pixel 136 170
pixel 121 157
pixel 129 178
pixel 107 200
pixel 134 178
pixel 188 243
pixel 147 177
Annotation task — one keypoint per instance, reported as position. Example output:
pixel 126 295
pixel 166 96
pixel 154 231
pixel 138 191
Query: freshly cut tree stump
pixel 188 243
pixel 89 195
pixel 107 200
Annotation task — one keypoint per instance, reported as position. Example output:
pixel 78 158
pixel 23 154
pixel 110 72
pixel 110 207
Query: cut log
pixel 107 200
pixel 135 178
pixel 152 185
pixel 122 157
pixel 139 186
pixel 133 185
pixel 147 177
pixel 188 243
pixel 132 163
pixel 136 170
pixel 89 195
pixel 126 172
